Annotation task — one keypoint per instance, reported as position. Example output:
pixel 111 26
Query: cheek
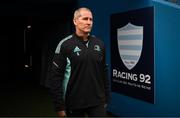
pixel 80 25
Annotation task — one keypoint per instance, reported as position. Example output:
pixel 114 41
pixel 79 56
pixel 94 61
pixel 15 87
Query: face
pixel 84 23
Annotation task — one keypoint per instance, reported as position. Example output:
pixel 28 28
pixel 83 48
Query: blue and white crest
pixel 130 43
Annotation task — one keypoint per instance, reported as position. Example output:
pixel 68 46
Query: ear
pixel 74 21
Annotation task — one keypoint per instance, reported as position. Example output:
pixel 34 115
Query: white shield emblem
pixel 130 42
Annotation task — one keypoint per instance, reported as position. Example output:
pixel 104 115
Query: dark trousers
pixel 95 111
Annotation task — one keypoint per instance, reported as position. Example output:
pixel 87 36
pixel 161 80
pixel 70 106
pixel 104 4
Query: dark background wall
pixel 50 21
pixel 21 88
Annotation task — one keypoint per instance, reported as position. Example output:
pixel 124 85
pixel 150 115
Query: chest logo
pixel 97 48
pixel 77 50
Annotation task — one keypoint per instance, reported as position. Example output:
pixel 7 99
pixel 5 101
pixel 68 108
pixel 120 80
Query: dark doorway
pixel 29 34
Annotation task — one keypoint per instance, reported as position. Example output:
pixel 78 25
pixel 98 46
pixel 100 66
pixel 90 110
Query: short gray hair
pixel 77 12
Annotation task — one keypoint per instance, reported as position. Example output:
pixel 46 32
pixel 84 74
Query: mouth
pixel 88 28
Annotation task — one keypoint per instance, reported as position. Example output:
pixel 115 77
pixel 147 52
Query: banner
pixel 132 53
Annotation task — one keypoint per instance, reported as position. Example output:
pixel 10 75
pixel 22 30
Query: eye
pixel 90 19
pixel 86 18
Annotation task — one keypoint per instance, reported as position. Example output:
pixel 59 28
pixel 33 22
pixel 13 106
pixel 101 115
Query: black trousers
pixel 95 111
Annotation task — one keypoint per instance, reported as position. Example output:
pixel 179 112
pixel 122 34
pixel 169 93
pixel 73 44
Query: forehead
pixel 85 13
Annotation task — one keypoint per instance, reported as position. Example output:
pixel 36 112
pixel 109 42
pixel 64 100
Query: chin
pixel 87 31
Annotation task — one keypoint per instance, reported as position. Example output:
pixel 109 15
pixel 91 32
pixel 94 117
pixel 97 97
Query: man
pixel 78 78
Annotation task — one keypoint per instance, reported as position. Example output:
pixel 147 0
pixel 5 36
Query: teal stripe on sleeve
pixel 58 49
pixel 66 76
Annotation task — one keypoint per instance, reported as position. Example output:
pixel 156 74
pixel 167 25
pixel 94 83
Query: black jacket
pixel 78 76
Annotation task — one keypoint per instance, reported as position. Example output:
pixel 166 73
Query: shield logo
pixel 130 43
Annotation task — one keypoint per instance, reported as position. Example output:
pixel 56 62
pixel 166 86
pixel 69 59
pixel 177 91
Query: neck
pixel 83 35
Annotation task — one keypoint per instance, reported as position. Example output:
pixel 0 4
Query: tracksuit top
pixel 78 77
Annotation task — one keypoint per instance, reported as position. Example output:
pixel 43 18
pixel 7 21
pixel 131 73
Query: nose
pixel 89 21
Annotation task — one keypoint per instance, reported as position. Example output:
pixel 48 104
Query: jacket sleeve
pixel 106 78
pixel 55 79
pixel 107 85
